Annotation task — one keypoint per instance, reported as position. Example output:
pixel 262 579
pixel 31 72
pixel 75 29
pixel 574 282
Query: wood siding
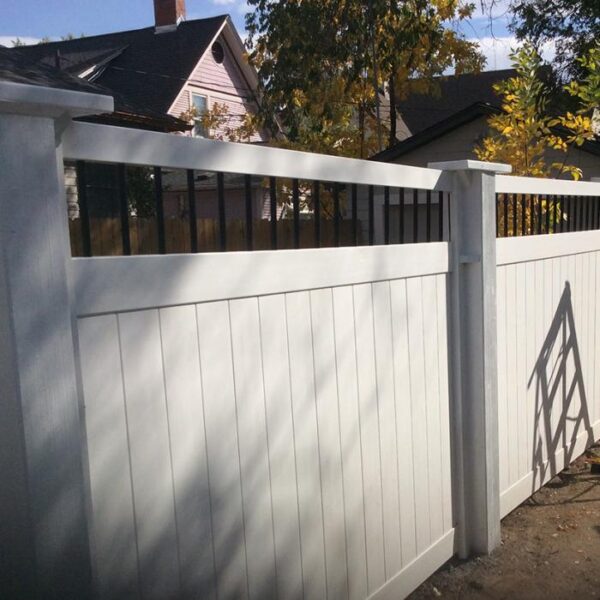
pixel 221 83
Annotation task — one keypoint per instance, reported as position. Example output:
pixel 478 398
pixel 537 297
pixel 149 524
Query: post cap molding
pixel 40 101
pixel 471 165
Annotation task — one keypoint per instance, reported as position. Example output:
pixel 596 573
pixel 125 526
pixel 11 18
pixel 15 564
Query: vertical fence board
pixel 432 393
pixel 404 412
pixel 222 449
pixel 282 457
pixel 369 421
pixel 418 375
pixel 307 444
pixel 253 447
pixel 150 455
pixel 387 425
pixel 444 399
pixel 350 435
pixel 329 441
pixel 502 392
pixel 521 373
pixel 183 385
pixel 511 373
pixel 113 527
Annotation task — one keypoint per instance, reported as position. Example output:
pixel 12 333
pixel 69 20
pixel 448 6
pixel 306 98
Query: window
pixel 218 53
pixel 200 105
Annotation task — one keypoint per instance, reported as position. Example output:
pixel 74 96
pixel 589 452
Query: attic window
pixel 218 53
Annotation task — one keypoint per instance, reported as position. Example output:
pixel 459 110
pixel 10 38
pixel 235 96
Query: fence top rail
pixel 102 143
pixel 508 184
pixel 120 284
pixel 515 250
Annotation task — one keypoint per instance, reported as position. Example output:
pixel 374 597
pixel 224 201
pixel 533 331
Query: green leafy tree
pixel 524 134
pixel 323 64
pixel 572 26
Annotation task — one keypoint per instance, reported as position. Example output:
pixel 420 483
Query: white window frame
pixel 193 93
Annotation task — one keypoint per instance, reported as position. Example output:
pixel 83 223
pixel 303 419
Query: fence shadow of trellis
pixel 559 384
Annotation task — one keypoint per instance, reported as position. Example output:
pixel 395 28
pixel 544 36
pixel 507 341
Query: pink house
pixel 157 75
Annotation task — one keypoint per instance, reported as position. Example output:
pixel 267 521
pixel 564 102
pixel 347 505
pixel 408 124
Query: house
pixel 447 125
pixel 163 72
pixel 169 68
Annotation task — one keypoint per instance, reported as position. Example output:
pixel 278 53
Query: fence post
pixel 475 382
pixel 44 546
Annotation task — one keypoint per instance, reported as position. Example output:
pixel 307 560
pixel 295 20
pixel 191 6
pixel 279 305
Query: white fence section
pixel 277 444
pixel 330 423
pixel 548 332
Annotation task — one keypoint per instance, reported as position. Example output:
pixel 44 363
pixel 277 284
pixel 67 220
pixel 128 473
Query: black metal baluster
pixel 160 211
pixel 522 202
pixel 530 228
pixel 428 214
pixel 575 209
pixel 84 214
pixel 515 216
pixel 505 205
pixel 273 204
pixel 441 217
pixel 336 214
pixel 317 212
pixel 561 213
pixel 221 210
pixel 124 209
pixel 539 214
pixel 497 215
pixel 371 215
pixel 355 215
pixel 401 206
pixel 588 212
pixel 386 215
pixel 249 215
pixel 296 210
pixel 415 216
pixel 191 190
pixel 547 214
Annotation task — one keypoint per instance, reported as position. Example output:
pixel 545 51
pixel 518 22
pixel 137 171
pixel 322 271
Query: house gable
pixel 221 82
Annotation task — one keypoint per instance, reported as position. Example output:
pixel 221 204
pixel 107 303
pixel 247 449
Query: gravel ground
pixel 550 548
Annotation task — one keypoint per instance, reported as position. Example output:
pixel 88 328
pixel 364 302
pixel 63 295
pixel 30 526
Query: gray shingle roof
pixel 147 68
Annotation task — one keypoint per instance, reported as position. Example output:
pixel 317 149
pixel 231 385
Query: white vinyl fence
pixel 264 424
pixel 548 335
pixel 286 443
pixel 320 423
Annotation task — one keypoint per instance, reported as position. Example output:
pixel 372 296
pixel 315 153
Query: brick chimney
pixel 168 14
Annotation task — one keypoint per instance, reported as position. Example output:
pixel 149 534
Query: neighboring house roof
pixel 452 122
pixel 146 67
pixel 452 94
pixel 20 67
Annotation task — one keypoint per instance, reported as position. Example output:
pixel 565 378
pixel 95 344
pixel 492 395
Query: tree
pixel 223 126
pixel 523 134
pixel 323 64
pixel 573 26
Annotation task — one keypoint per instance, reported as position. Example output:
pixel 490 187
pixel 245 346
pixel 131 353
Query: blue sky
pixel 31 20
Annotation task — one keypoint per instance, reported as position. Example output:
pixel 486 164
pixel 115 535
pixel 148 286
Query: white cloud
pixel 224 2
pixel 497 50
pixel 7 40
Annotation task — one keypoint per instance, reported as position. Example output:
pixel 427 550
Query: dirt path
pixel 550 548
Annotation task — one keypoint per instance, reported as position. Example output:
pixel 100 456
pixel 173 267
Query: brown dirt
pixel 550 548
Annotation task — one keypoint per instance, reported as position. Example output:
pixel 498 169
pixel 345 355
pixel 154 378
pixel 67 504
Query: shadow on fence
pixel 558 380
